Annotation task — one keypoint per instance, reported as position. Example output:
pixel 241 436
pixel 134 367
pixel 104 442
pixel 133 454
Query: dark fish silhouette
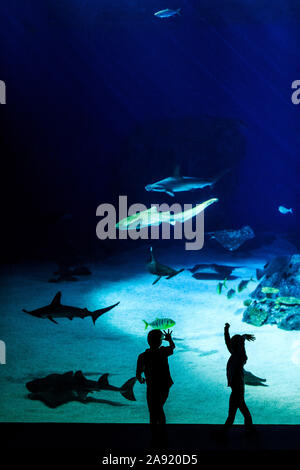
pixel 57 310
pixel 230 293
pixel 232 239
pixel 159 270
pixel 244 284
pixel 251 379
pixel 222 270
pixel 57 389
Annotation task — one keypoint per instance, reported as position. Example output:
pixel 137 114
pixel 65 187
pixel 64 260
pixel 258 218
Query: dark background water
pixel 104 98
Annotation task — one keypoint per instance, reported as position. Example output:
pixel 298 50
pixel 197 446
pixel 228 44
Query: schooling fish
pixel 230 294
pixel 284 210
pixel 220 286
pixel 160 324
pixel 167 13
pixel 243 285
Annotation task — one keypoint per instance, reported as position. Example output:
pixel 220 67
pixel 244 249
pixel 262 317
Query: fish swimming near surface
pixel 57 310
pixel 153 217
pixel 284 210
pixel 230 293
pixel 56 389
pixel 244 284
pixel 177 183
pixel 160 270
pixel 167 13
pixel 160 324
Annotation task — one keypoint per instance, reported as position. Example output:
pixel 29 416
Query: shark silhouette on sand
pixel 57 310
pixel 57 389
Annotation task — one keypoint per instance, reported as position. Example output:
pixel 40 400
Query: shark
pixel 56 389
pixel 56 310
pixel 177 183
pixel 160 270
pixel 154 217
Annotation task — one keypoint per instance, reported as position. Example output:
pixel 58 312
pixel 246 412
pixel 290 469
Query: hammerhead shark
pixel 176 183
pixel 57 389
pixel 57 310
pixel 159 270
pixel 153 217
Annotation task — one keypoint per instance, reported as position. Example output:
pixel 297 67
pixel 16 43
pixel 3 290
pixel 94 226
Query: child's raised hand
pixel 227 325
pixel 167 335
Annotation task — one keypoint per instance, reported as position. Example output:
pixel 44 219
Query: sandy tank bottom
pixel 36 347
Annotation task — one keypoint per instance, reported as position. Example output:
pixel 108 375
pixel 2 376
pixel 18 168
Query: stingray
pixel 233 239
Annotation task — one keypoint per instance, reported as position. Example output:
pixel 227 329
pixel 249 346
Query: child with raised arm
pixel 153 363
pixel 235 376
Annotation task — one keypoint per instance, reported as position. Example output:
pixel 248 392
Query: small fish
pixel 259 273
pixel 167 13
pixel 243 285
pixel 221 285
pixel 230 294
pixel 284 210
pixel 160 324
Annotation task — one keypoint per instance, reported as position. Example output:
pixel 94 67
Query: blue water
pixel 104 98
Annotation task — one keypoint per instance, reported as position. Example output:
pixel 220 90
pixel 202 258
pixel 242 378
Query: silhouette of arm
pixel 227 336
pixel 140 368
pixel 168 337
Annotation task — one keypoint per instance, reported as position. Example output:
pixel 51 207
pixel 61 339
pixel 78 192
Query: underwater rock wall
pixel 276 300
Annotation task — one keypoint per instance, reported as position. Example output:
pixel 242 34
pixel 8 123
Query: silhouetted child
pixel 153 363
pixel 235 376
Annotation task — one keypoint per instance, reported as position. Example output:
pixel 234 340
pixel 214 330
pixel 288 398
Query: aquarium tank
pixel 150 177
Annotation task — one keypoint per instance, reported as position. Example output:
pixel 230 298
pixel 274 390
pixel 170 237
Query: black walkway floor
pixel 111 440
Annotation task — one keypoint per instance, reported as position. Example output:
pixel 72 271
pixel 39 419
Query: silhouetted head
pixel 154 338
pixel 237 344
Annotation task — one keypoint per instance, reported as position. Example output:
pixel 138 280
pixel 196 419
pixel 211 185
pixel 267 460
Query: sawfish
pixel 153 217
